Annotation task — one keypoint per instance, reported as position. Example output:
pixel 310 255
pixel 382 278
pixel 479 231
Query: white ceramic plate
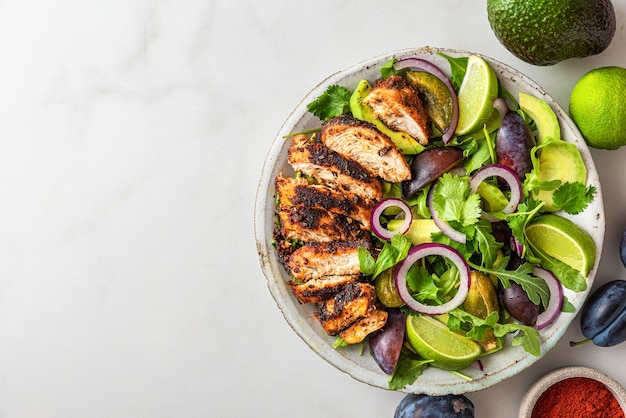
pixel 497 367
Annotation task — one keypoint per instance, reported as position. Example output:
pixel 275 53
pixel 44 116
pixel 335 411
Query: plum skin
pixel 426 406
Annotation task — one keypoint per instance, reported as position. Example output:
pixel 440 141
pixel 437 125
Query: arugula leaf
pixel 454 201
pixel 392 253
pixel 408 369
pixel 487 244
pixel 568 276
pixel 458 67
pixel 535 287
pixel 528 337
pixel 574 197
pixel 333 102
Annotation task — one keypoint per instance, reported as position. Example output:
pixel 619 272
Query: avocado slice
pixel 557 159
pixel 407 144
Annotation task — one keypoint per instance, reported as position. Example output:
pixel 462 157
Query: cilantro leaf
pixel 333 102
pixel 574 197
pixel 387 69
pixel 454 201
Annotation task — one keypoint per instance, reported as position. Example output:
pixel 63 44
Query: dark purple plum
pixel 428 166
pixel 614 334
pixel 514 143
pixel 386 344
pixel 516 302
pixel 602 307
pixel 426 406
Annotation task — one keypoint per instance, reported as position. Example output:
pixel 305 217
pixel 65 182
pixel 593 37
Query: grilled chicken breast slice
pixel 328 167
pixel 363 142
pixel 399 106
pixel 307 224
pixel 353 302
pixel 322 289
pixel 298 192
pixel 318 259
pixel 373 321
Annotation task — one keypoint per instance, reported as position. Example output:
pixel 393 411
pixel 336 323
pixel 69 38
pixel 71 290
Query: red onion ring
pixel 444 226
pixel 504 173
pixel 423 65
pixel 556 298
pixel 423 250
pixel 380 230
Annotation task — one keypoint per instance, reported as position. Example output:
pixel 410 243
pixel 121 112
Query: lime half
pixel 478 90
pixel 564 240
pixel 432 340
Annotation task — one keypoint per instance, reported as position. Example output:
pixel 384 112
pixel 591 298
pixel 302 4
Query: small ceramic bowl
pixel 551 378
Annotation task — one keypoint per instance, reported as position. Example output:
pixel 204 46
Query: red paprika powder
pixel 577 397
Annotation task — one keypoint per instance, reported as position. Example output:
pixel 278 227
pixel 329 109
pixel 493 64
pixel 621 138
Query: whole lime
pixel 598 108
pixel 545 32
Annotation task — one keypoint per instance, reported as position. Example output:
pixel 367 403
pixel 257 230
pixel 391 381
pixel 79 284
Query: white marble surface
pixel 133 133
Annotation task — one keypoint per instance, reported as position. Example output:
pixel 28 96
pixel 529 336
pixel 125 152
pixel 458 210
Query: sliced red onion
pixel 444 226
pixel 504 173
pixel 417 253
pixel 501 107
pixel 556 298
pixel 516 246
pixel 424 65
pixel 391 202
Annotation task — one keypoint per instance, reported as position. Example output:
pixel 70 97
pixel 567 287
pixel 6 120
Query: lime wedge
pixel 564 240
pixel 432 340
pixel 478 90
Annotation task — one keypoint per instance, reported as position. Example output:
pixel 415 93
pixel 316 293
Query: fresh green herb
pixel 535 287
pixel 388 69
pixel 392 253
pixel 410 366
pixel 568 276
pixel 333 102
pixel 454 201
pixel 528 337
pixel 458 68
pixel 573 198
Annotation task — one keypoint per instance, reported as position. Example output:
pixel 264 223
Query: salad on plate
pixel 430 217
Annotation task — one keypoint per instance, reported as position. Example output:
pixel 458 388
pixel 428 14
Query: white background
pixel 133 134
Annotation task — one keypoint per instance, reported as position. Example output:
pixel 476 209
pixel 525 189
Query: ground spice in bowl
pixel 574 392
pixel 577 397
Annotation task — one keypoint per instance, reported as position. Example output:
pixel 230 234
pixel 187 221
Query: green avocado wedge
pixel 557 159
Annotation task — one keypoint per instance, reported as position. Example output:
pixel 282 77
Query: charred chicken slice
pixel 322 289
pixel 318 259
pixel 307 224
pixel 328 167
pixel 353 302
pixel 373 321
pixel 298 192
pixel 363 142
pixel 399 106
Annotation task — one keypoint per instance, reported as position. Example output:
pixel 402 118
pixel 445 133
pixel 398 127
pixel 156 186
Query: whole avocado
pixel 545 32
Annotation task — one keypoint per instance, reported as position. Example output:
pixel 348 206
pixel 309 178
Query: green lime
pixel 597 107
pixel 562 239
pixel 432 340
pixel 478 90
pixel 438 99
